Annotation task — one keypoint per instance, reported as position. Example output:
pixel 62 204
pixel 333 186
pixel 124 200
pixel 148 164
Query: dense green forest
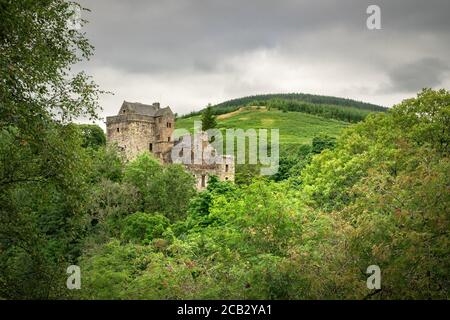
pixel 376 193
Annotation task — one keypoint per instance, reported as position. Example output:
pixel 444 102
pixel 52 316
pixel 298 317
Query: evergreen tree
pixel 208 119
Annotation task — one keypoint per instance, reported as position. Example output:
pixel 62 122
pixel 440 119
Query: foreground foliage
pixel 377 196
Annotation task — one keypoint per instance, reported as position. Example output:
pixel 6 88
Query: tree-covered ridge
pixel 325 106
pixel 310 98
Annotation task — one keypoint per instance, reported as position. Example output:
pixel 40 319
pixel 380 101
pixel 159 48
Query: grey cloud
pixel 411 77
pixel 165 35
pixel 161 36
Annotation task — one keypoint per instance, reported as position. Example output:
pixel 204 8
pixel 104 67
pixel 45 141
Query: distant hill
pixel 299 117
pixel 311 98
pixel 294 127
pixel 325 106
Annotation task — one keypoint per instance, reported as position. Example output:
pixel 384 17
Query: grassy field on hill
pixel 295 127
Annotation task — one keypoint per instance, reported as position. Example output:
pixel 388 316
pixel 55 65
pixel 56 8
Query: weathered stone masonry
pixel 139 127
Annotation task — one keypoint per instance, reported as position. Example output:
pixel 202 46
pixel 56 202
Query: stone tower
pixel 139 127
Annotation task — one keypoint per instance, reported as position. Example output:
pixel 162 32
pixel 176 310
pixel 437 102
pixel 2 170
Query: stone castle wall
pixel 132 133
pixel 202 172
pixel 165 126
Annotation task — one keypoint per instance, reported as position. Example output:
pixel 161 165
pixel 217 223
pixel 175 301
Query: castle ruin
pixel 139 127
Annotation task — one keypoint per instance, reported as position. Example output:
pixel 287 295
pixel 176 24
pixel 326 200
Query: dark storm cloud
pixel 159 36
pixel 155 36
pixel 412 77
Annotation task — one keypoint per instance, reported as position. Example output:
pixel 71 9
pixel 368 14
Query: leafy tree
pixel 42 219
pixel 400 222
pixel 322 142
pixel 199 206
pixel 109 203
pixel 292 162
pixel 107 163
pixel 38 47
pixel 373 143
pixel 93 136
pixel 163 189
pixel 144 227
pixel 42 165
pixel 245 173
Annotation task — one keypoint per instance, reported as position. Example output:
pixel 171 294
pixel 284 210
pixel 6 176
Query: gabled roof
pixel 138 108
pixel 151 110
pixel 164 111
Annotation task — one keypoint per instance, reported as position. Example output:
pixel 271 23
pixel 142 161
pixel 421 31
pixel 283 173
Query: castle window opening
pixel 118 129
pixel 203 180
pixel 168 139
pixel 150 147
pixel 226 168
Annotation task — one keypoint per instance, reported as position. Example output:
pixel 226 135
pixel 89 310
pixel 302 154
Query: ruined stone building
pixel 201 159
pixel 139 127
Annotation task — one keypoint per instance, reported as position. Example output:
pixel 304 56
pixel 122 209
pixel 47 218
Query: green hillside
pixel 343 109
pixel 295 127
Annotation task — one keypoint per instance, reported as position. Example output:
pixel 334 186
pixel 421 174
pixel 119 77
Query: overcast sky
pixel 188 53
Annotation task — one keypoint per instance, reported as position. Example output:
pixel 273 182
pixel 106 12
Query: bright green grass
pixel 295 127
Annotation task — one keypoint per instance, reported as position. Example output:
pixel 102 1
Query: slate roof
pixel 139 108
pixel 164 111
pixel 144 109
